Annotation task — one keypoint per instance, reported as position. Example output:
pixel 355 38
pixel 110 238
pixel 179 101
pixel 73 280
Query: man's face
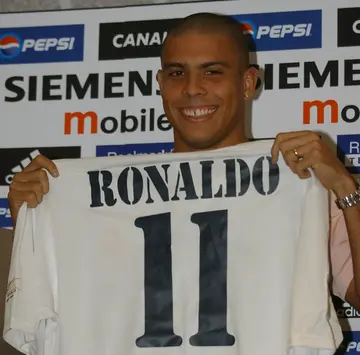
pixel 202 87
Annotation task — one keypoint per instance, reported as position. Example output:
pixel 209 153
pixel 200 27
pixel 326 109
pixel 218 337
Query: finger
pixel 288 147
pixel 303 166
pixel 14 210
pixel 308 156
pixel 282 137
pixel 17 198
pixel 39 176
pixel 25 188
pixel 41 162
pixel 298 141
pixel 291 160
pixel 311 148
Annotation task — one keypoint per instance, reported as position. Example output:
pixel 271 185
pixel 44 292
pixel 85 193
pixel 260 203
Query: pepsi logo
pixel 248 29
pixel 10 46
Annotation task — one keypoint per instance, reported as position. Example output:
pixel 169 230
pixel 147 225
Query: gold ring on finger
pixel 296 153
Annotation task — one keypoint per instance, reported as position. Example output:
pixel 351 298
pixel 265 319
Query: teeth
pixel 198 112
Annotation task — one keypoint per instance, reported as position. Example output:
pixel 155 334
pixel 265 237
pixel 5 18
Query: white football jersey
pixel 207 253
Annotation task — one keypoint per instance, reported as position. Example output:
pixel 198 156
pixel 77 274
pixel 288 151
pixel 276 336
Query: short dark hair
pixel 213 23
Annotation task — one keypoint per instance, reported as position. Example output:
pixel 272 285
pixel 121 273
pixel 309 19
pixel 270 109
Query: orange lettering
pixel 320 110
pixel 80 116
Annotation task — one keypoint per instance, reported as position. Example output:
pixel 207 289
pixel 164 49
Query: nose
pixel 193 86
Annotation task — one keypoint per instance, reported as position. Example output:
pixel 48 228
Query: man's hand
pixel 30 185
pixel 305 149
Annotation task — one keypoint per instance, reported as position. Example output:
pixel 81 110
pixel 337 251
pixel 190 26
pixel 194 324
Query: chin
pixel 201 143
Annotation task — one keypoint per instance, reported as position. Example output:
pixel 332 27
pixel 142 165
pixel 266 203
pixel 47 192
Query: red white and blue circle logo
pixel 248 28
pixel 10 46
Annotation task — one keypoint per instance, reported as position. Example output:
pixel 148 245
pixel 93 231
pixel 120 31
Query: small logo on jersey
pixel 282 30
pixel 41 44
pixel 10 46
pixel 11 289
pixel 133 149
pixel 348 150
pixel 5 217
pixel 15 160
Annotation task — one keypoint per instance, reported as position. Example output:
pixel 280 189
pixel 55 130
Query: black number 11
pixel 159 327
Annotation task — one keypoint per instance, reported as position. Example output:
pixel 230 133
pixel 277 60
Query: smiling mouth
pixel 198 114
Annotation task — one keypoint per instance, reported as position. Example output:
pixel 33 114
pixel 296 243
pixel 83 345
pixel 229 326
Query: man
pixel 204 82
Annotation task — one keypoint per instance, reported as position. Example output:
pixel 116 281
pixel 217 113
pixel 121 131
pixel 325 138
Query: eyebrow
pixel 173 65
pixel 210 64
pixel 203 65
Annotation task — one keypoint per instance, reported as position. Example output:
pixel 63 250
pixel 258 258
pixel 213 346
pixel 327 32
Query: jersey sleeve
pixel 314 320
pixel 341 261
pixel 30 323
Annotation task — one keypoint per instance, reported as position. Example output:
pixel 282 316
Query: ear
pixel 250 79
pixel 159 78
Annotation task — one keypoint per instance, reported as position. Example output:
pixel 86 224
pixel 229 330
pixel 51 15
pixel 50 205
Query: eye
pixel 213 72
pixel 176 73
